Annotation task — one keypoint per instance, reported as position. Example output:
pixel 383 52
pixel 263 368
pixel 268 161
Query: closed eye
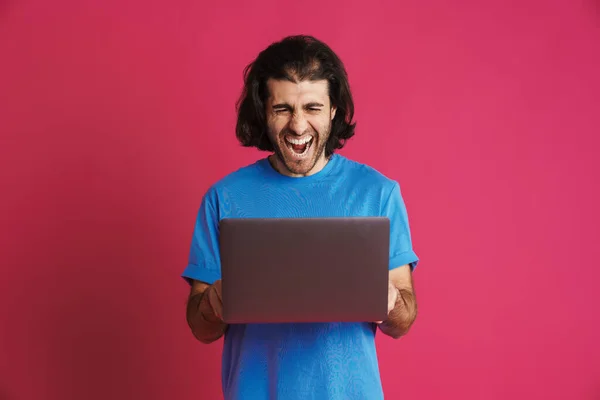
pixel 281 108
pixel 314 107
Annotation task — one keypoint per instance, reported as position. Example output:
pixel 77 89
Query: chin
pixel 301 162
pixel 295 165
pixel 300 168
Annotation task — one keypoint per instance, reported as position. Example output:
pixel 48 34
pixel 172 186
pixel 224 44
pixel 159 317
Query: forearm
pixel 402 316
pixel 205 326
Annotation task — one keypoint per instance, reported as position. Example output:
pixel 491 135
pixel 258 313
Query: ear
pixel 333 110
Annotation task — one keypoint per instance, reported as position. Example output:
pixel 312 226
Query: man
pixel 297 104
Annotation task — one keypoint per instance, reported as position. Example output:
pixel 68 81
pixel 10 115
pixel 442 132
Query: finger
pixel 219 293
pixel 218 285
pixel 215 302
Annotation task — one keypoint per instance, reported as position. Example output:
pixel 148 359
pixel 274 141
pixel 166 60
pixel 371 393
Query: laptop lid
pixel 278 270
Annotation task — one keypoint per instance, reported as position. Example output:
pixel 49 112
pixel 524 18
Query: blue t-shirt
pixel 299 361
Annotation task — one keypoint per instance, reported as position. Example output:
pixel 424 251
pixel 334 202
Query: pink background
pixel 116 116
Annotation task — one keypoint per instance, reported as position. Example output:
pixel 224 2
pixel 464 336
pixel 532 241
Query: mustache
pixel 286 131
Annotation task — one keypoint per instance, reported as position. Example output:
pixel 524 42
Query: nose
pixel 298 124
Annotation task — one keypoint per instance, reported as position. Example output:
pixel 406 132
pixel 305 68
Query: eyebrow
pixel 308 105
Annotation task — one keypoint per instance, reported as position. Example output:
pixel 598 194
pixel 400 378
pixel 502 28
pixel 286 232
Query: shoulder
pixel 364 174
pixel 243 175
pixel 242 179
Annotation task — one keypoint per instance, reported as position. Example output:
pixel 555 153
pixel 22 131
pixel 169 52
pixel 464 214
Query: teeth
pixel 300 155
pixel 299 141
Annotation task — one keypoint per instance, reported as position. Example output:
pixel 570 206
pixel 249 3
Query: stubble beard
pixel 301 167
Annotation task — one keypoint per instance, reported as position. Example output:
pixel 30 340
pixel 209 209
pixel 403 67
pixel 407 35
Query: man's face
pixel 299 119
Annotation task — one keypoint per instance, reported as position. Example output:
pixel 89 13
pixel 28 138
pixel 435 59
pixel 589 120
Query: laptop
pixel 296 270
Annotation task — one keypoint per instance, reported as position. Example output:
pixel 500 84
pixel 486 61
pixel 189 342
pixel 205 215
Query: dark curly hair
pixel 294 58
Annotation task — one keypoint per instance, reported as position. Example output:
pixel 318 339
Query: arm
pixel 402 302
pixel 204 309
pixel 204 305
pixel 402 295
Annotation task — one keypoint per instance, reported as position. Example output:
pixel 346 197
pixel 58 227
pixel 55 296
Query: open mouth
pixel 299 147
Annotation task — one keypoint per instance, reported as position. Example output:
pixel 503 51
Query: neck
pixel 280 166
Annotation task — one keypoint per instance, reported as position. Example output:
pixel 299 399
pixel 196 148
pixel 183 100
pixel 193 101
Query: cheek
pixel 274 127
pixel 321 124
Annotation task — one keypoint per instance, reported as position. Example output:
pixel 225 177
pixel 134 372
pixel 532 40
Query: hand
pixel 392 298
pixel 211 306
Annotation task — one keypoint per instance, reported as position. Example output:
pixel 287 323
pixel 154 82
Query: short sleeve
pixel 401 250
pixel 204 257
